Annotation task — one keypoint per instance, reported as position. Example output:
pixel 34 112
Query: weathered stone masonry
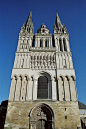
pixel 43 90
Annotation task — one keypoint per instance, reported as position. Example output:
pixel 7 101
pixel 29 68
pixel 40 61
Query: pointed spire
pixel 57 19
pixel 30 16
pixel 58 27
pixel 29 24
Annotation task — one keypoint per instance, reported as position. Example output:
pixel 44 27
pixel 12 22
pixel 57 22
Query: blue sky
pixel 13 13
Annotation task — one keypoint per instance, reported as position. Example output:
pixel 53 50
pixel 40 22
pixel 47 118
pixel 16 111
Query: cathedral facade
pixel 43 90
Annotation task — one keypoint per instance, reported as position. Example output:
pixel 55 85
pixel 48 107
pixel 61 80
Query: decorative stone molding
pixel 42 61
pixel 42 73
pixel 43 49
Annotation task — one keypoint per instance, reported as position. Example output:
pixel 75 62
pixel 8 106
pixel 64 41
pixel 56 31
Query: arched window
pixel 60 44
pixel 65 46
pixel 41 43
pixel 42 90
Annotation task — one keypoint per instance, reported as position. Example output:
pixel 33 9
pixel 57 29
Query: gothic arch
pixel 66 77
pixel 43 73
pixel 14 76
pixel 25 75
pixel 35 82
pixel 42 113
pixel 61 77
pixel 72 77
pixel 19 76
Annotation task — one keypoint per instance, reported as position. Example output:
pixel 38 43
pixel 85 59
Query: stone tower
pixel 43 91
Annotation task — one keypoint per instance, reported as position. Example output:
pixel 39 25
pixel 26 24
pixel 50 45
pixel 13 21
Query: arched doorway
pixel 42 90
pixel 42 117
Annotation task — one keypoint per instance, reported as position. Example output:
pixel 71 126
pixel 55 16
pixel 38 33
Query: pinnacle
pixel 29 18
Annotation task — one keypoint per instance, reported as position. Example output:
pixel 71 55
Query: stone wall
pixel 66 114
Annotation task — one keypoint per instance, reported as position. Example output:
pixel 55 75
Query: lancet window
pixel 41 43
pixel 46 43
pixel 64 43
pixel 60 44
pixel 42 90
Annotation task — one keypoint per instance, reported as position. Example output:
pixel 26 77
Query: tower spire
pixel 57 19
pixel 29 17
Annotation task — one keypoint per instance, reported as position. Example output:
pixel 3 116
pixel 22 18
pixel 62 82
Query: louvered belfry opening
pixel 42 90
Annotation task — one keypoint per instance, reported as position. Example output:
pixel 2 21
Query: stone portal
pixel 42 117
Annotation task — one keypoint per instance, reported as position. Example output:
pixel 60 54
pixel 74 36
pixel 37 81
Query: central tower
pixel 43 91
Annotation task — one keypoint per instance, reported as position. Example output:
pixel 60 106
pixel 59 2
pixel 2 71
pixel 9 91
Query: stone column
pixel 50 89
pixel 30 87
pixel 67 61
pixel 35 89
pixel 49 42
pixel 36 45
pixel 56 42
pixel 38 42
pixel 70 61
pixel 30 42
pixel 58 48
pixel 60 61
pixel 66 88
pixel 12 89
pixel 43 43
pixel 18 60
pixel 23 89
pixel 67 43
pixel 60 89
pixel 63 61
pixel 27 61
pixel 27 89
pixel 57 60
pixel 18 88
pixel 73 90
pixel 54 90
pixel 62 44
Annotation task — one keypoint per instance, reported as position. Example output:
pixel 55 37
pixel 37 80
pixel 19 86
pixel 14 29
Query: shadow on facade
pixel 3 110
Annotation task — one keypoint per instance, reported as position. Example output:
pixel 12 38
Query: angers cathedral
pixel 43 91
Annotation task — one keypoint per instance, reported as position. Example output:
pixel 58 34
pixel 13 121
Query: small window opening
pixel 65 117
pixel 65 46
pixel 60 43
pixel 46 43
pixel 41 43
pixel 22 97
pixel 65 109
